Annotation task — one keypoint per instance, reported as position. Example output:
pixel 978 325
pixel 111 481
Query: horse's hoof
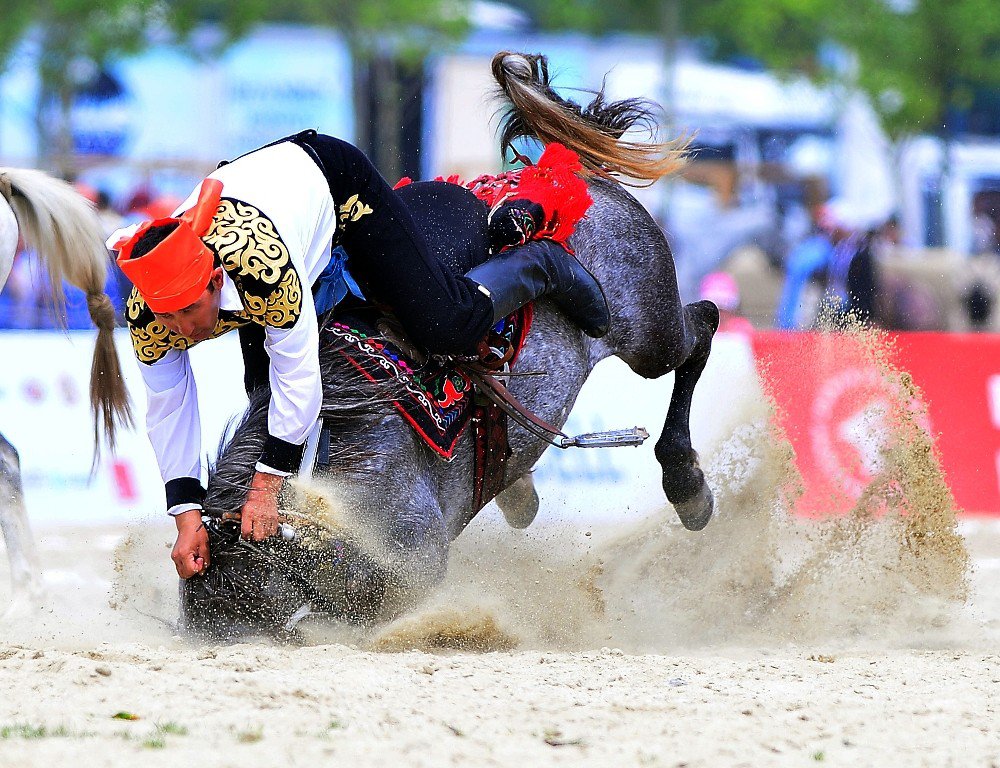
pixel 696 512
pixel 519 502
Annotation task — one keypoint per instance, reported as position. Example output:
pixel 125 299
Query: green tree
pixel 920 59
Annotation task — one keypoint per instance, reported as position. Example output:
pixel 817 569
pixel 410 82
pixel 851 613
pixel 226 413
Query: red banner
pixel 834 400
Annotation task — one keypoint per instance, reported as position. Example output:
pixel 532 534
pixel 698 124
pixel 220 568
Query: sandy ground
pixel 249 706
pixel 914 687
pixel 872 638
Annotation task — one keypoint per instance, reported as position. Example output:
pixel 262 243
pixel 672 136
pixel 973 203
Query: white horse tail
pixel 595 132
pixel 63 228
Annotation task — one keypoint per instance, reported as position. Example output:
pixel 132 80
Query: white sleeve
pixel 173 422
pixel 296 383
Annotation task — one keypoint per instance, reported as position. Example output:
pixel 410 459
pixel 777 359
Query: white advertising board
pixel 44 412
pixel 607 484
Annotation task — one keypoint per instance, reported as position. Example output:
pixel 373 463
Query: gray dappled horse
pixel 403 506
pixel 65 231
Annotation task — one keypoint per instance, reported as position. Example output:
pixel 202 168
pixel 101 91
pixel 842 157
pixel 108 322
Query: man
pixel 251 245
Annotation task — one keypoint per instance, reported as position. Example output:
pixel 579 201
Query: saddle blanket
pixel 437 399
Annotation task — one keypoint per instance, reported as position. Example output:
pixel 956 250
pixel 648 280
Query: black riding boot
pixel 543 268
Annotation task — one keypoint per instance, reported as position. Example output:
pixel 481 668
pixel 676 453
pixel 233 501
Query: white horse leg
pixel 24 566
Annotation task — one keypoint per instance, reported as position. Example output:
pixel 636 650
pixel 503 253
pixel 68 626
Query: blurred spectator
pixel 979 289
pixel 979 306
pixel 852 274
pixel 145 204
pixel 721 289
pixel 136 204
pixel 806 260
pixel 888 237
pixel 984 230
pixel 111 220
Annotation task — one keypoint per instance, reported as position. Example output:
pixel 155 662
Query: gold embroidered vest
pixel 255 258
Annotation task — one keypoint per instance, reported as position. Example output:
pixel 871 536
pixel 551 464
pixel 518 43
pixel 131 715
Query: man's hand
pixel 190 553
pixel 260 513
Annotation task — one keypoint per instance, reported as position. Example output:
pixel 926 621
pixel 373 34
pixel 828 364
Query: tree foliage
pixel 918 59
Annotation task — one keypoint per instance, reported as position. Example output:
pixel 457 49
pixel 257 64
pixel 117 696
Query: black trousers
pixel 440 309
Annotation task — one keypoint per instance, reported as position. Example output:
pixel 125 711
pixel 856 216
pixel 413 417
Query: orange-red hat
pixel 174 274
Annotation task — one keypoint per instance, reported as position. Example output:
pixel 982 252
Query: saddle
pixel 437 396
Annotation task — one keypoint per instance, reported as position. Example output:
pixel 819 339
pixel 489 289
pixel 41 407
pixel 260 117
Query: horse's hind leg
pixel 686 353
pixel 683 481
pixel 519 503
pixel 24 567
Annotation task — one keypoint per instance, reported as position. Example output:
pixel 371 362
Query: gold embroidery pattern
pixel 285 303
pixel 150 338
pixel 254 256
pixel 353 210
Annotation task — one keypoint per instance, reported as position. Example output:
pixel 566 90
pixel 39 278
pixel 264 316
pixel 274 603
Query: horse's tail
pixel 64 229
pixel 594 132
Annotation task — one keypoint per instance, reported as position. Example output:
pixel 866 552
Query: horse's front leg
pixel 24 567
pixel 683 481
pixel 412 551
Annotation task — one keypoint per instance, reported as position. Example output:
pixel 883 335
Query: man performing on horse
pixel 253 249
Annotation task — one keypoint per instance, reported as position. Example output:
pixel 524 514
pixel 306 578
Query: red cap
pixel 175 273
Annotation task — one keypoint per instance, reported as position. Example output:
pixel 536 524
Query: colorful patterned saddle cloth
pixel 436 398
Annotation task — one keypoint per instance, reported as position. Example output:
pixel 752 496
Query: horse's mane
pixel 351 406
pixel 594 132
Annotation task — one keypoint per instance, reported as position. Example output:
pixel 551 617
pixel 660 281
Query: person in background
pixel 980 289
pixel 111 220
pixel 722 290
pixel 808 259
pixel 984 231
pixel 852 274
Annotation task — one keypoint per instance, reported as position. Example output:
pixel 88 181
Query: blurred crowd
pixel 842 260
pixel 845 263
pixel 859 267
pixel 26 300
pixel 840 253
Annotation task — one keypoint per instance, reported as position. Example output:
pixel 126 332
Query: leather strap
pixel 498 394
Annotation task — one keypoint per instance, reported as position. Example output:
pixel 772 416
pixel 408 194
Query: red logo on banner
pixel 124 477
pixel 847 428
pixel 836 408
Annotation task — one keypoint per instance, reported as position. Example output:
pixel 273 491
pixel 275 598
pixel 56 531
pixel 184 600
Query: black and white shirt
pixel 272 232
